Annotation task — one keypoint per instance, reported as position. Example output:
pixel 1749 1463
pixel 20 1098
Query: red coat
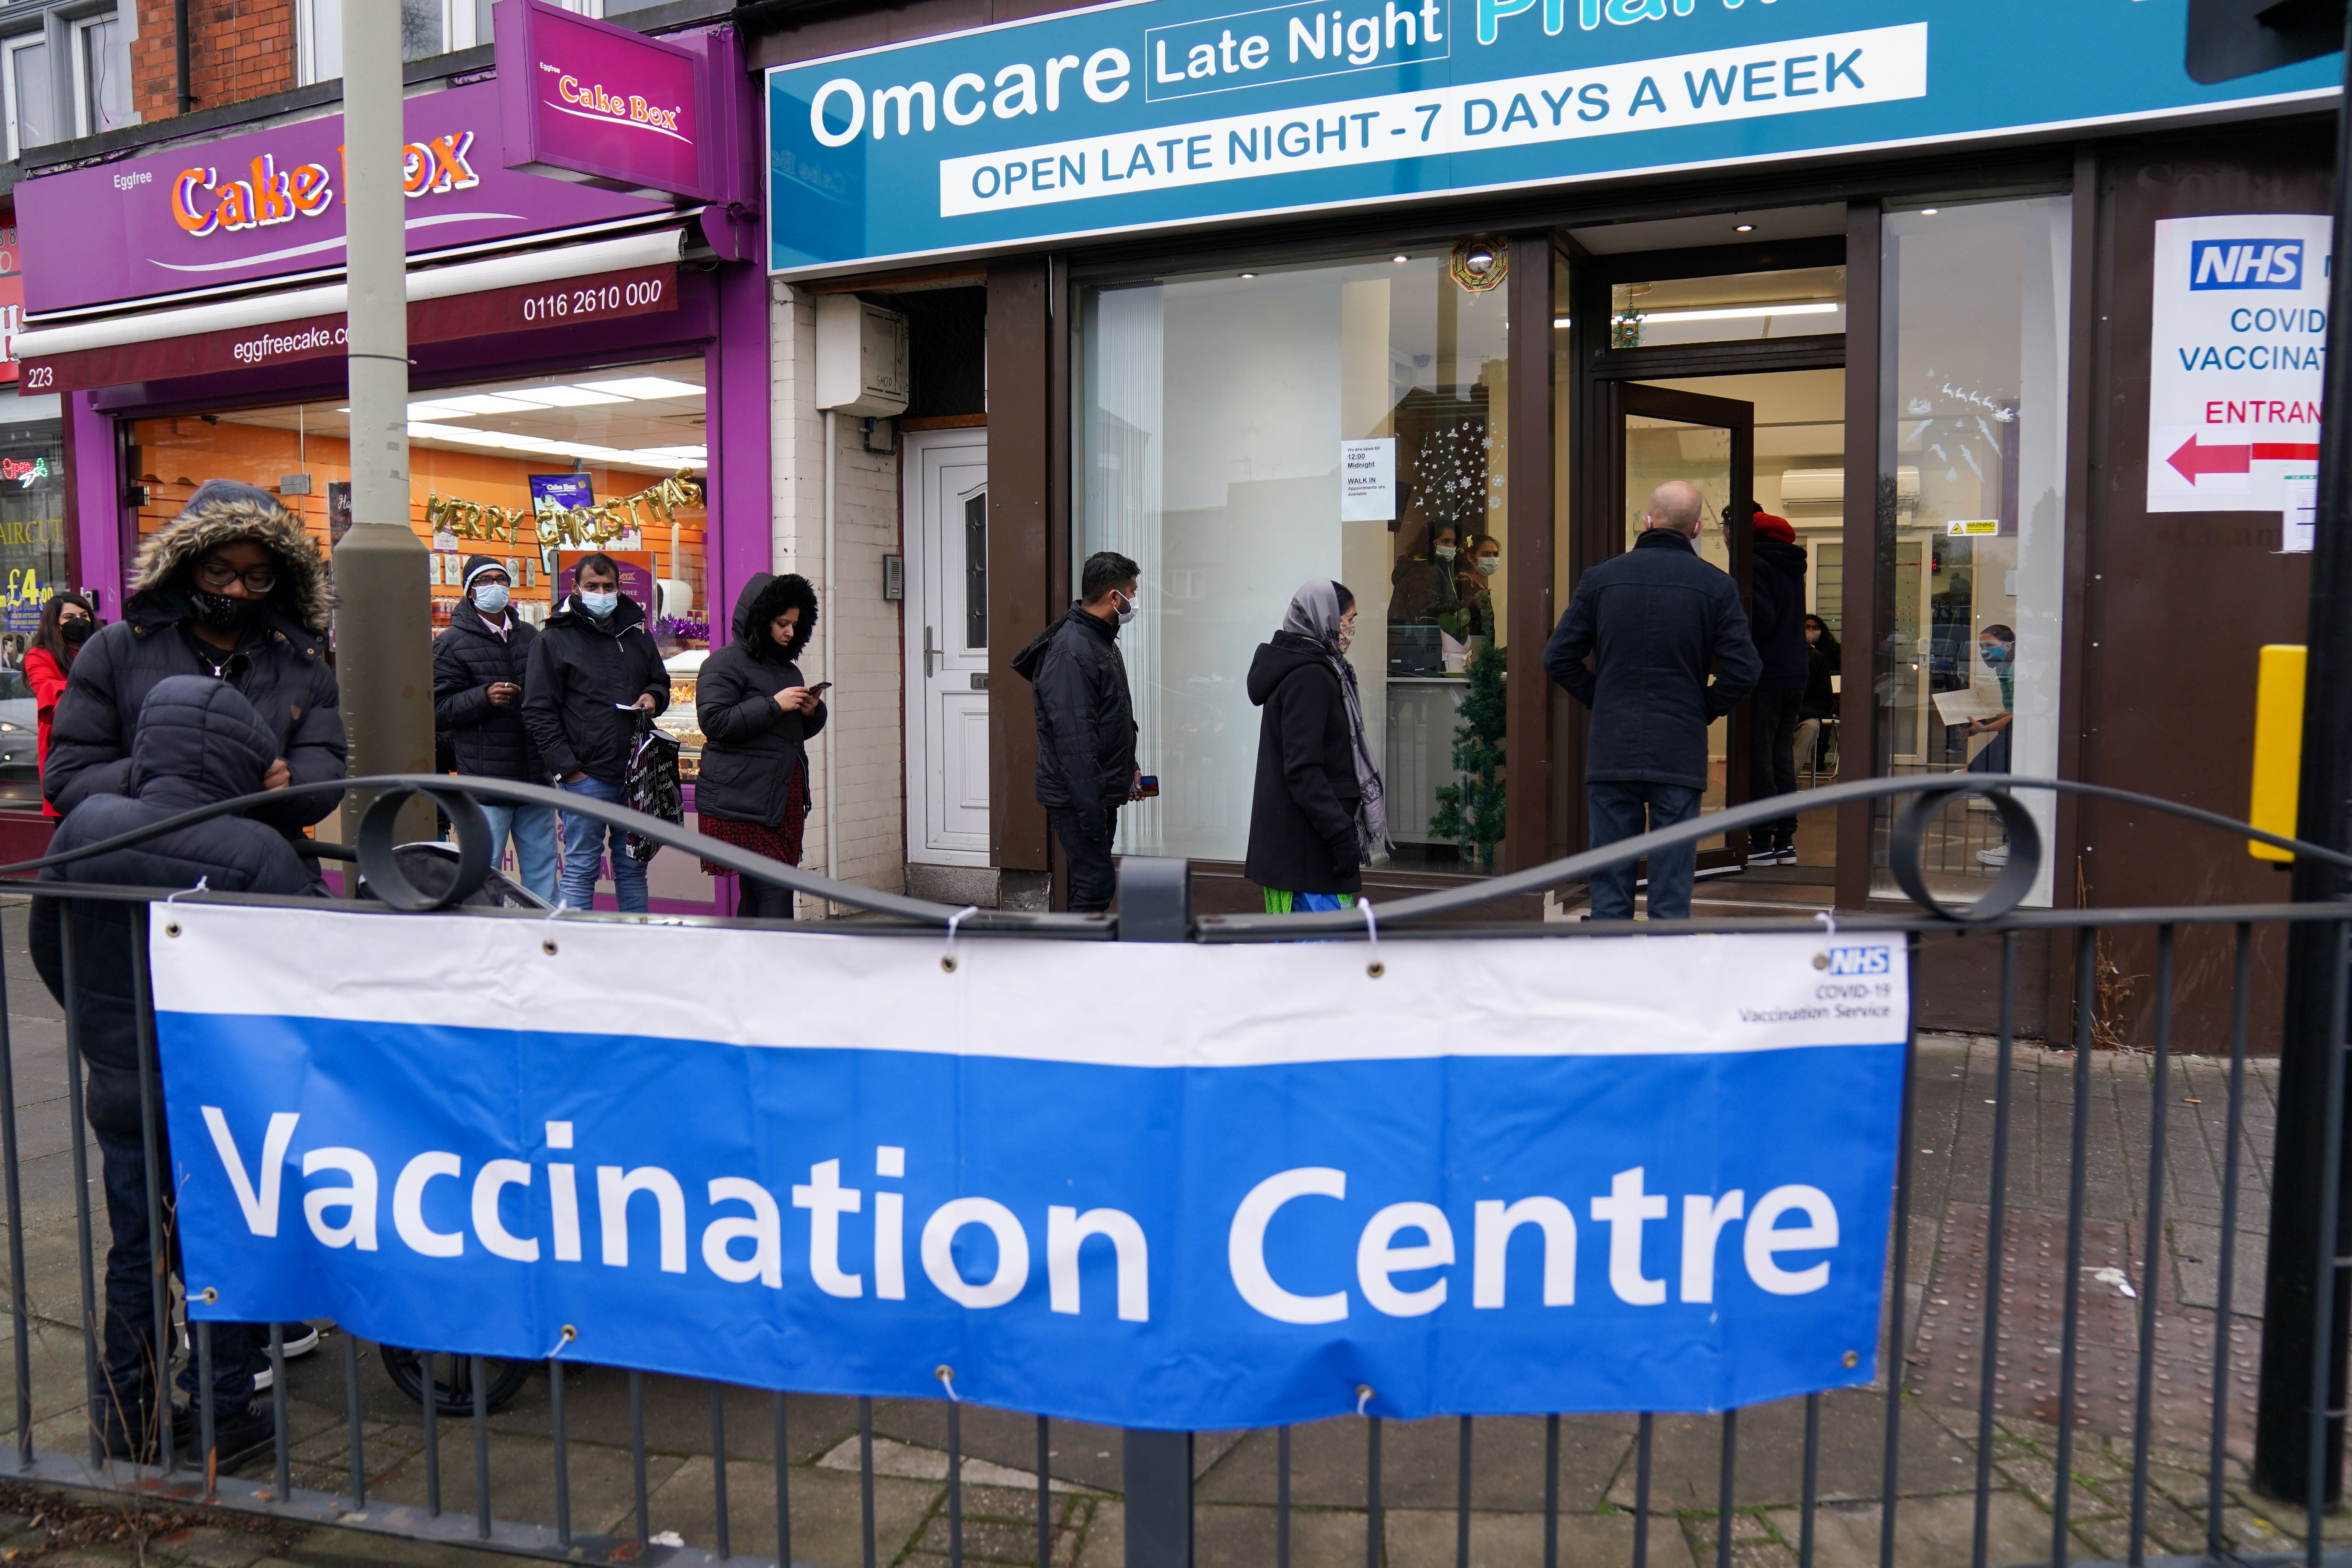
pixel 49 683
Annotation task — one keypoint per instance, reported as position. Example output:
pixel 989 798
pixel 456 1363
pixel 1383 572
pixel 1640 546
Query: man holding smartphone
pixel 478 664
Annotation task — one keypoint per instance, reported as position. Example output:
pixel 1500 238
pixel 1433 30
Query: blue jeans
pixel 1618 806
pixel 533 830
pixel 584 852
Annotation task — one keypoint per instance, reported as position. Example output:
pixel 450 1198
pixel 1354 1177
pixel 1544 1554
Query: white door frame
pixel 945 681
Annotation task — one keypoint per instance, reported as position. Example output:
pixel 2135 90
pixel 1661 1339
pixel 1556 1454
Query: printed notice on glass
pixel 2234 360
pixel 1368 479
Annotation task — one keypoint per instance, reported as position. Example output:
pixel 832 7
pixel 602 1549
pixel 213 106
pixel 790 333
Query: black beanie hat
pixel 475 567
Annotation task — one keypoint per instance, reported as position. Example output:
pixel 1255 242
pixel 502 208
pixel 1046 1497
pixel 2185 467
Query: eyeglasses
pixel 216 574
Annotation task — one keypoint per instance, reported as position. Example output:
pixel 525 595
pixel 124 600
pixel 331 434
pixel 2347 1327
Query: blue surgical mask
pixel 491 598
pixel 1996 654
pixel 599 605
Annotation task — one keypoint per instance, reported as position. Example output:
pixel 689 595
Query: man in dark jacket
pixel 1086 723
pixel 233 589
pixel 197 742
pixel 1776 612
pixel 1653 621
pixel 593 671
pixel 479 665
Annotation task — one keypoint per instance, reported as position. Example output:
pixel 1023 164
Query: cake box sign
pixel 584 101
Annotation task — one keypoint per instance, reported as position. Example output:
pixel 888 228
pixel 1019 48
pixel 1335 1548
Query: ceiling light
pixel 1929 212
pixel 1249 274
pixel 1399 260
pixel 487 402
pixel 643 386
pixel 680 454
pixel 1745 312
pixel 502 441
pixel 1743 228
pixel 430 410
pixel 567 397
pixel 1559 323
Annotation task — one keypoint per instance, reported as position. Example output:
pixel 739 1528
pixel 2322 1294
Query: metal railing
pixel 2131 1444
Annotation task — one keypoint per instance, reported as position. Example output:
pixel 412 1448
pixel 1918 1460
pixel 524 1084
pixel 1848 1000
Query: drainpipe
pixel 824 623
pixel 180 54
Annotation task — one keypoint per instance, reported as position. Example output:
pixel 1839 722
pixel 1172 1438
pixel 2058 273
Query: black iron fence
pixel 2068 1359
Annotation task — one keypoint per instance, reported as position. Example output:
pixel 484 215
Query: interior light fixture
pixel 1929 212
pixel 641 388
pixel 1559 323
pixel 566 396
pixel 1249 274
pixel 502 441
pixel 1399 260
pixel 428 409
pixel 1745 312
pixel 489 403
pixel 1743 228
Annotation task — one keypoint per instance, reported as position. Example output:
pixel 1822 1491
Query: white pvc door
pixel 946 491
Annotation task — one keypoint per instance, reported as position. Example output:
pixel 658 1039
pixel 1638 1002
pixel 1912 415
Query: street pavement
pixel 1420 1520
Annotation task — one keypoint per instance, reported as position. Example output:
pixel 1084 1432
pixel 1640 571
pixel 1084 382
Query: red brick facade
pixel 237 50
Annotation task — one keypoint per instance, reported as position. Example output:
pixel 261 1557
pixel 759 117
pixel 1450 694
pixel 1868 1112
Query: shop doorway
pixel 945 520
pixel 1664 433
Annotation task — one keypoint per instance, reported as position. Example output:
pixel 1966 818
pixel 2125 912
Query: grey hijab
pixel 1315 615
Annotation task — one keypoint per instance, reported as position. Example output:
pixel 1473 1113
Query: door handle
pixel 930 653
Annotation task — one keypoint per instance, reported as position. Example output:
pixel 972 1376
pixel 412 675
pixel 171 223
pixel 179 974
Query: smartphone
pixel 1148 787
pixel 819 689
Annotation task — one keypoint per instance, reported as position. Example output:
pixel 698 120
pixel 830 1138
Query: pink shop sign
pixel 584 101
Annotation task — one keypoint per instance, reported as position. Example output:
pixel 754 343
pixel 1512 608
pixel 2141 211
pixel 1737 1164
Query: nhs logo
pixel 2245 263
pixel 1860 959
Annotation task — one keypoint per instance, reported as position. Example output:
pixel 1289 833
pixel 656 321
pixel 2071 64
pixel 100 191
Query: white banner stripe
pixel 1113 1004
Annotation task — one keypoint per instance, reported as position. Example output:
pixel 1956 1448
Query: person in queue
pixel 1318 815
pixel 1997 645
pixel 232 588
pixel 480 661
pixel 757 714
pixel 1653 621
pixel 66 622
pixel 1777 620
pixel 1820 702
pixel 1086 723
pixel 593 671
pixel 197 742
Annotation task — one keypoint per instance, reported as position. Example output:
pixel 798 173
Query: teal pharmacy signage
pixel 1159 113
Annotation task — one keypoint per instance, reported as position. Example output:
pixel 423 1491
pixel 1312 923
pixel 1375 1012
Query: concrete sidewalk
pixel 1419 1478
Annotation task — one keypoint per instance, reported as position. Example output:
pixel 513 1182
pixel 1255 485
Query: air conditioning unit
pixel 861 358
pixel 1826 487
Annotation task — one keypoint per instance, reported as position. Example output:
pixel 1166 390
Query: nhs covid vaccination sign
pixel 1164 112
pixel 1171 1186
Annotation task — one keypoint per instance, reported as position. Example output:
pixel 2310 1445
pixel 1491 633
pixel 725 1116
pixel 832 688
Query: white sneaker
pixel 1998 855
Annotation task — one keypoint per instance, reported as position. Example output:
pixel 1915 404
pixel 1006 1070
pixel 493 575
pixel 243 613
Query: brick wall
pixel 237 50
pixel 863 722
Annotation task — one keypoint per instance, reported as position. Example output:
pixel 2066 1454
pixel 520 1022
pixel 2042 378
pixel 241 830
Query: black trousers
pixel 762 900
pixel 1092 881
pixel 1772 754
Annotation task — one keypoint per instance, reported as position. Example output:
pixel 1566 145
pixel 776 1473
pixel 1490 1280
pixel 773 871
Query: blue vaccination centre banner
pixel 1162 1185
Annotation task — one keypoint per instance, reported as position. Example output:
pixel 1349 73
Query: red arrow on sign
pixel 2194 461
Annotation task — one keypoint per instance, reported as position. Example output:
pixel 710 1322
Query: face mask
pixel 1489 564
pixel 1125 610
pixel 600 605
pixel 1996 654
pixel 1445 552
pixel 219 613
pixel 76 630
pixel 491 598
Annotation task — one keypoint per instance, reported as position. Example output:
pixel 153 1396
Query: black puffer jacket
pixel 582 676
pixel 751 747
pixel 1085 718
pixel 1654 620
pixel 1302 835
pixel 1776 601
pixel 198 741
pixel 280 666
pixel 468 659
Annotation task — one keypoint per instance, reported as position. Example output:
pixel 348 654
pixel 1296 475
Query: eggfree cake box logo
pixel 593 101
pixel 204 204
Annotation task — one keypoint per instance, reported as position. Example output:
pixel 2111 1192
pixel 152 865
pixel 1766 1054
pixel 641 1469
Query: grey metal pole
pixel 383 618
pixel 1155 904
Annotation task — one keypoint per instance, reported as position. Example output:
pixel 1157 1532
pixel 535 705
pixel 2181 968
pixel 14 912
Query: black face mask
pixel 219 613
pixel 76 631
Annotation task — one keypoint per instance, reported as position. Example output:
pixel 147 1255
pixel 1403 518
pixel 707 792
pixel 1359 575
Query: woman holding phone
pixel 757 713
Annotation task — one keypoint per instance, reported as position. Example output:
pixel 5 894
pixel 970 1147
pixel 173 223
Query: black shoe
pixel 296 1340
pixel 136 1443
pixel 237 1436
pixel 1763 852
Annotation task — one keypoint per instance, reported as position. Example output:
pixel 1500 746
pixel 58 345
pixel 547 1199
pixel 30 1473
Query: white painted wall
pixel 865 702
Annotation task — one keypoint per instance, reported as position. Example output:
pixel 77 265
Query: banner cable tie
pixel 1372 935
pixel 1827 919
pixel 946 1374
pixel 202 886
pixel 1363 1397
pixel 948 963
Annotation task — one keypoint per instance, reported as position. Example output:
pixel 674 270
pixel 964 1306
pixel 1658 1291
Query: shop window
pixel 101 76
pixel 1217 411
pixel 1747 307
pixel 31 94
pixel 426 28
pixel 1972 514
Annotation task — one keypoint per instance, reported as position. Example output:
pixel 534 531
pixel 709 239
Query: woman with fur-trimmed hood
pixel 757 714
pixel 233 589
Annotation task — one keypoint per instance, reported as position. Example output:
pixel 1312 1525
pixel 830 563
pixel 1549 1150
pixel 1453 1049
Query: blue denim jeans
pixel 584 840
pixel 533 830
pixel 1618 810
